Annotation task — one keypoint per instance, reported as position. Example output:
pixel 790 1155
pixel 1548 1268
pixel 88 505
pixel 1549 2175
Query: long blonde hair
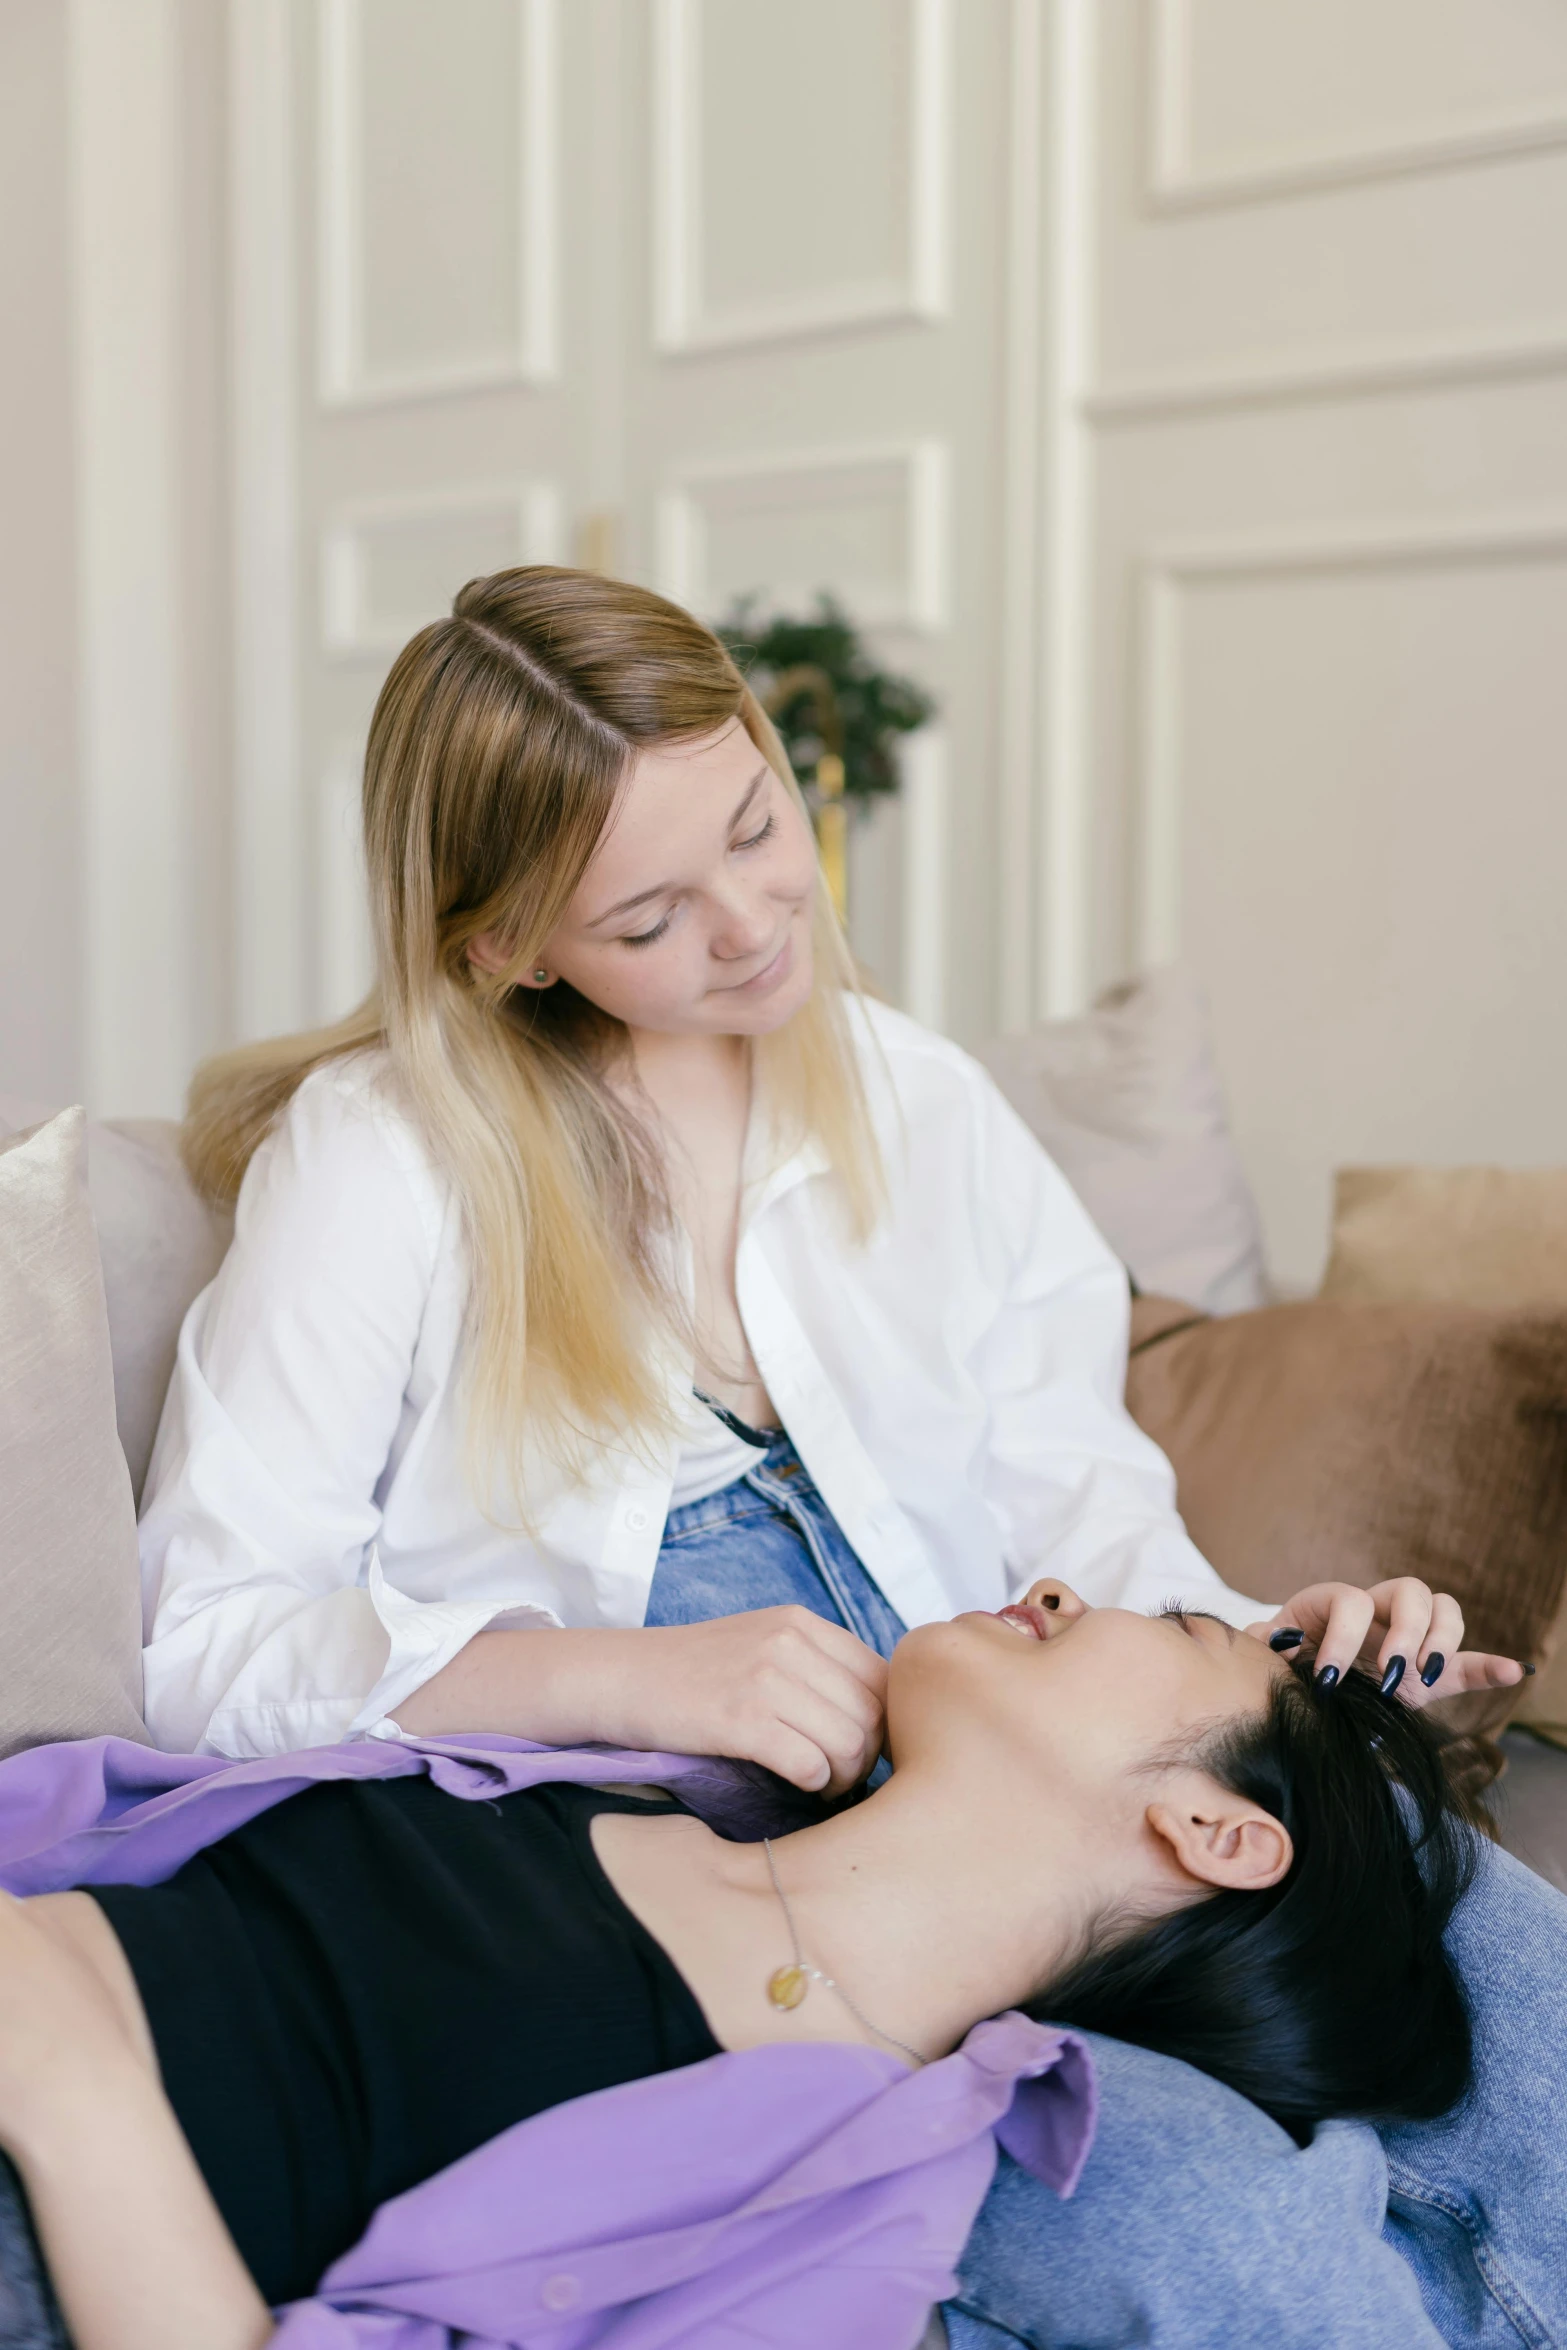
pixel 499 742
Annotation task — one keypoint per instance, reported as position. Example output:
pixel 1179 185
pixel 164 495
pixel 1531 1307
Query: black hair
pixel 1332 1992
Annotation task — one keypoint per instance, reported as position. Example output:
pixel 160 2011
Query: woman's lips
pixel 771 975
pixel 1032 1621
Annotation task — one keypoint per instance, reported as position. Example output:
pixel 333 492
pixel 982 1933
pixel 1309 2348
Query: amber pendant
pixel 787 1986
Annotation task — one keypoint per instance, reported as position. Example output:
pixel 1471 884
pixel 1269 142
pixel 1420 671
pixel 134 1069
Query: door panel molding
pixel 683 318
pixel 1174 182
pixel 916 469
pixel 1167 576
pixel 1344 375
pixel 532 511
pixel 346 378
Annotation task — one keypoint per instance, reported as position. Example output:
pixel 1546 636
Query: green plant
pixel 788 663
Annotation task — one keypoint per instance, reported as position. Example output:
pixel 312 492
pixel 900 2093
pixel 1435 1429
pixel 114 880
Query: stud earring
pixel 540 975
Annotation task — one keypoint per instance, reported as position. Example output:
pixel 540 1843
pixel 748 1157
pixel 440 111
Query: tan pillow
pixel 1356 1442
pixel 1472 1236
pixel 70 1592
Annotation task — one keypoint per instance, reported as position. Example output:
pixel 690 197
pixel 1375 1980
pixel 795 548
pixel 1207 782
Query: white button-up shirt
pixel 313 1548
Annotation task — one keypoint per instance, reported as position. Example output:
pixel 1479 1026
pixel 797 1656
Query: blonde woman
pixel 630 1330
pixel 620 1266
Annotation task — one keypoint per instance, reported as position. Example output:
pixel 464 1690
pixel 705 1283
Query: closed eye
pixel 1173 1612
pixel 645 938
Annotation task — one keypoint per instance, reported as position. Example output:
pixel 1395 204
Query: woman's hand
pixel 1410 1636
pixel 775 1685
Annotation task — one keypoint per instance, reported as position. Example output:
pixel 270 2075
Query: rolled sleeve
pixel 289 1390
pixel 423 1635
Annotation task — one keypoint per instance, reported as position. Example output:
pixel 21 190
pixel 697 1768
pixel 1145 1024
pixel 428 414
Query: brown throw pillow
pixel 1324 1441
pixel 1473 1236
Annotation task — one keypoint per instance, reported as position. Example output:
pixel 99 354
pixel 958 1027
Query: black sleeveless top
pixel 372 1979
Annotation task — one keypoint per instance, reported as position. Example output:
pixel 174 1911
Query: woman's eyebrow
pixel 662 888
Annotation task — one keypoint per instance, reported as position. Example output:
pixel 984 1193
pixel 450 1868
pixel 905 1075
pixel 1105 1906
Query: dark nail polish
pixel 1431 1670
pixel 1287 1638
pixel 1327 1679
pixel 1394 1674
pixel 1528 1668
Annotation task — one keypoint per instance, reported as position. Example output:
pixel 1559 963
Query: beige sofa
pixel 1128 1102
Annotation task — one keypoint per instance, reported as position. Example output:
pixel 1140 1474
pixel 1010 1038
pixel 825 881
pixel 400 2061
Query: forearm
pixel 137 2250
pixel 560 1687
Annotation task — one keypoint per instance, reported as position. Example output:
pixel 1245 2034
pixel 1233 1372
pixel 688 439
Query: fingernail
pixel 1327 1679
pixel 1288 1638
pixel 1431 1670
pixel 1528 1668
pixel 1394 1674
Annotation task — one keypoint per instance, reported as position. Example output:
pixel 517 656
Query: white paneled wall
pixel 1325 567
pixel 1178 386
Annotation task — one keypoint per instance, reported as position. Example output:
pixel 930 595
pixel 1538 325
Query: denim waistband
pixel 738 1499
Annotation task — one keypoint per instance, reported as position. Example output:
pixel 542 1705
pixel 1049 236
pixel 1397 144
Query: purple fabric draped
pixel 775 2196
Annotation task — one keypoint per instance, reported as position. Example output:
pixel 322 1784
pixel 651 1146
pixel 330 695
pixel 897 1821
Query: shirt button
pixel 637 1520
pixel 559 2292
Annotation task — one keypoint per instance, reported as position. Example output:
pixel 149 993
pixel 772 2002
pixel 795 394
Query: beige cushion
pixel 1127 1101
pixel 160 1244
pixel 70 1597
pixel 1357 1442
pixel 1477 1236
pixel 1474 1236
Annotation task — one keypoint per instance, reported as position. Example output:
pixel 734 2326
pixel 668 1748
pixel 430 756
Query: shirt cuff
pixel 422 1636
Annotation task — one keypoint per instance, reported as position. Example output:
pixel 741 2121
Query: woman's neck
pixel 700 1091
pixel 688 1070
pixel 929 1916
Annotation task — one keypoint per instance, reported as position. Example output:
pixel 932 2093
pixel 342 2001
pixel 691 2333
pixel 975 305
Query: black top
pixel 373 1978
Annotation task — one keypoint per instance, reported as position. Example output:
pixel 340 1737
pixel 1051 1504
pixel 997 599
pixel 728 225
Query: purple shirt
pixel 777 2195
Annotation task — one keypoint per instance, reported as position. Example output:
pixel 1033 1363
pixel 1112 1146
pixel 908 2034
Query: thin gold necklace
pixel 787 1985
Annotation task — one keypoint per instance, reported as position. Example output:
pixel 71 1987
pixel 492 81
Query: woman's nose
pixel 1059 1598
pixel 746 923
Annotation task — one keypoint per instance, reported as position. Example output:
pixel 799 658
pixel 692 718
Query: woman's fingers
pixel 1403 1617
pixel 1400 1629
pixel 1338 1618
pixel 812 1705
pixel 1468 1670
pixel 1443 1641
pixel 1408 1634
pixel 844 1749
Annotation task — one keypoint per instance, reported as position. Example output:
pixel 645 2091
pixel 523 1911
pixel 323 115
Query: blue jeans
pixel 766 1541
pixel 1199 2224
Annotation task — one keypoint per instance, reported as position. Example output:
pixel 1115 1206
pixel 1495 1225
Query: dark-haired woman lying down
pixel 1152 1827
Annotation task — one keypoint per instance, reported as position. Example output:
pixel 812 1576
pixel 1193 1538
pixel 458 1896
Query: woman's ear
pixel 487 953
pixel 1222 1840
pixel 490 954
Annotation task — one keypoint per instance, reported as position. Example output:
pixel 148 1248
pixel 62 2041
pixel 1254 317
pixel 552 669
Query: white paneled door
pixel 706 292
